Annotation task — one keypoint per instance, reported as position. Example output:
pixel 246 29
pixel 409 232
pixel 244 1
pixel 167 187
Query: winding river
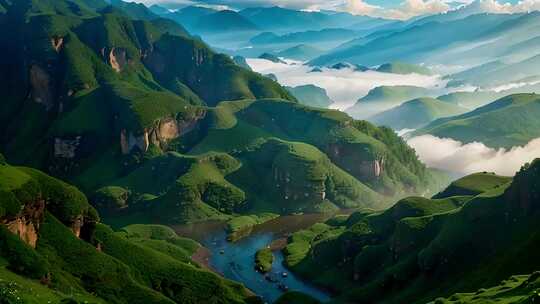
pixel 235 261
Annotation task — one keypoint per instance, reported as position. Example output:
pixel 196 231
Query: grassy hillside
pixel 416 113
pixel 474 184
pixel 423 249
pixel 302 52
pixel 156 127
pixel 403 42
pixel 516 289
pixel 403 68
pixel 471 100
pixel 225 20
pixel 384 98
pixel 53 248
pixel 311 95
pixel 507 122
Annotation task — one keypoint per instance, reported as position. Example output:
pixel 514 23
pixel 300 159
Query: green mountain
pixel 406 43
pixel 241 61
pixel 403 68
pixel 302 52
pixel 423 249
pixel 156 127
pixel 54 250
pixel 291 20
pixel 507 122
pixel 384 98
pixel 471 100
pixel 311 95
pixel 223 21
pixel 416 113
pixel 474 184
pixel 134 10
pixel 516 289
pixel 188 16
pixel 271 57
pixel 324 35
pixel 499 73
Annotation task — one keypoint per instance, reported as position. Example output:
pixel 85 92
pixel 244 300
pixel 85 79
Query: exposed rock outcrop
pixel 357 165
pixel 118 59
pixel 66 148
pixel 128 141
pixel 373 168
pixel 164 131
pixel 41 86
pixel 57 43
pixel 298 190
pixel 26 225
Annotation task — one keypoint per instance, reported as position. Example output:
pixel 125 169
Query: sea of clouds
pixel 451 155
pixel 344 86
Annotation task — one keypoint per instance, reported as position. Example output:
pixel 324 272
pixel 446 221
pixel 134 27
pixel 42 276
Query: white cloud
pixel 451 155
pixel 344 86
pixel 407 9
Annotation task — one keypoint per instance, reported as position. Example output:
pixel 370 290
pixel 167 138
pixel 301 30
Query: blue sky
pixel 396 3
pixel 393 9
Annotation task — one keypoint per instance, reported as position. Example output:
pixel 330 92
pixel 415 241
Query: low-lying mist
pixel 451 155
pixel 344 86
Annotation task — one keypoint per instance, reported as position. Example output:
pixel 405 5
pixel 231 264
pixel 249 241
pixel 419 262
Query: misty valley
pixel 269 151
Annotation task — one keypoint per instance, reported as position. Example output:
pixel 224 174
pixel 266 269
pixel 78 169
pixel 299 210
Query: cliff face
pixel 27 195
pixel 524 193
pixel 26 224
pixel 163 132
pixel 118 59
pixel 41 86
pixel 361 166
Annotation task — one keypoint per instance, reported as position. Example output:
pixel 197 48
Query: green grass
pixel 474 184
pixel 422 249
pixel 416 113
pixel 404 68
pixel 263 260
pixel 384 98
pixel 138 264
pixel 241 226
pixel 311 95
pixel 301 179
pixel 507 122
pixel 18 289
pixel 517 289
pixel 185 283
pixel 297 298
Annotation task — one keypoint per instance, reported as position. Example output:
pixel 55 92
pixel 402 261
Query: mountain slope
pixel 311 95
pixel 225 20
pixel 507 122
pixel 404 44
pixel 127 73
pixel 403 68
pixel 422 249
pixel 300 52
pixel 416 113
pixel 156 127
pixel 50 233
pixel 384 98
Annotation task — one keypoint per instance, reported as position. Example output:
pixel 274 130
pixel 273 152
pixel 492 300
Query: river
pixel 236 260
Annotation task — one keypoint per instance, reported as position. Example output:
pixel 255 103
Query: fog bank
pixel 344 86
pixel 452 155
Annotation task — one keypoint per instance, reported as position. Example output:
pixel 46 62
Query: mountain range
pixel 508 122
pixel 422 249
pixel 122 124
